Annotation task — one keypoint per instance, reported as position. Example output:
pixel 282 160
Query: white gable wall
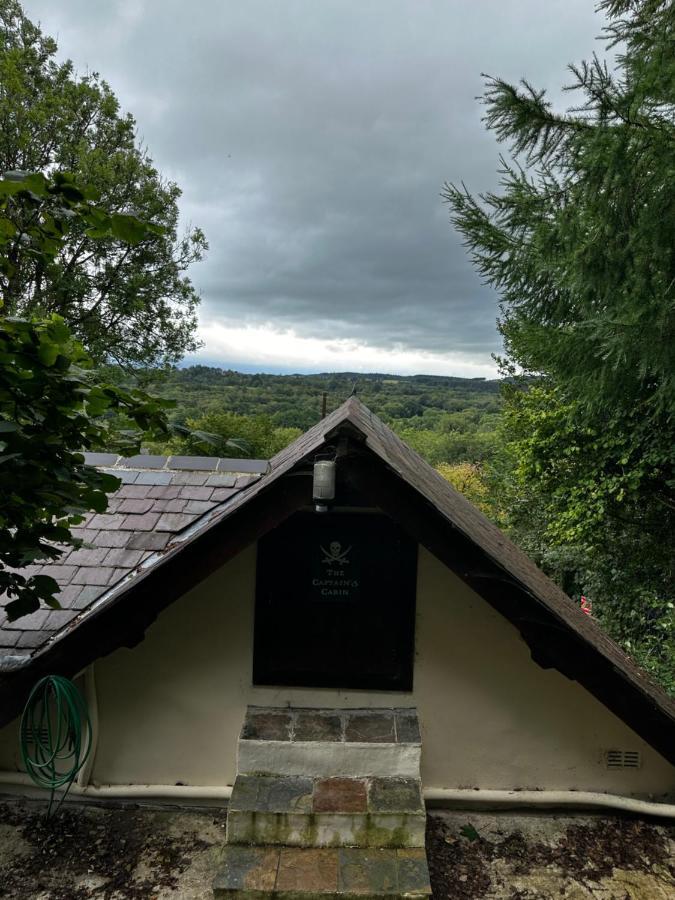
pixel 170 710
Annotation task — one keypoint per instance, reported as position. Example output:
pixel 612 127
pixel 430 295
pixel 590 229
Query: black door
pixel 335 603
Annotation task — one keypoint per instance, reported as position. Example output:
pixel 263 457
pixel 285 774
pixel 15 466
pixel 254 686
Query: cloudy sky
pixel 311 139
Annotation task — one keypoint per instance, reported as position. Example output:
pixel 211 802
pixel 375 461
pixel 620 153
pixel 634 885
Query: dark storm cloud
pixel 312 140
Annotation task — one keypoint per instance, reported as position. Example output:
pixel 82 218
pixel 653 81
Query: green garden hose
pixel 51 735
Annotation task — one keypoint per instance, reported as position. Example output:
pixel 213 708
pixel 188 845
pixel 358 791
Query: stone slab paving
pixel 286 873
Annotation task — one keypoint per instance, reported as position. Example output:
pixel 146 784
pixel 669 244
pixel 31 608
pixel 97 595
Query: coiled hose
pixel 52 726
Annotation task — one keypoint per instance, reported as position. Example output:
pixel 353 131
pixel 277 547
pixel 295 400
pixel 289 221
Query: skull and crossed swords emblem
pixel 335 554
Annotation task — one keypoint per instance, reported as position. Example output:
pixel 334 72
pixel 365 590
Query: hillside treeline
pixel 446 419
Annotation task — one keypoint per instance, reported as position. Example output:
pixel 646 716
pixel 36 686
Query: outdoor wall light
pixel 323 484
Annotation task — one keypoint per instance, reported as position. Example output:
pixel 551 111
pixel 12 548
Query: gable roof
pixel 375 464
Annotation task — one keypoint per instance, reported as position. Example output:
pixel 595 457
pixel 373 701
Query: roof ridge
pixel 177 462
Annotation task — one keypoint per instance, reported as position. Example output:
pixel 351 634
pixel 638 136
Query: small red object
pixel 586 606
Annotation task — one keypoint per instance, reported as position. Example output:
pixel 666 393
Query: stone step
pixel 287 873
pixel 329 743
pixel 326 812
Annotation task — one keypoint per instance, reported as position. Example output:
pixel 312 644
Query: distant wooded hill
pixel 446 419
pixel 295 400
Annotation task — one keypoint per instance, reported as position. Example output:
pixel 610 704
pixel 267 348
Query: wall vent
pixel 623 759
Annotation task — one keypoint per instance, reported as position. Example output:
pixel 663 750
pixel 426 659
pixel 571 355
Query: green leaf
pixel 9 187
pixel 128 228
pixel 7 228
pixel 48 352
pixel 469 832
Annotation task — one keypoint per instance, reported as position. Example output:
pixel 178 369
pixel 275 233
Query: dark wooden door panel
pixel 335 603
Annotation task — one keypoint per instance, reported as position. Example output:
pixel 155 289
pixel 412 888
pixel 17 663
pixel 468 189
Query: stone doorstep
pixel 281 794
pixel 397 725
pixel 287 873
pixel 326 812
pixel 326 829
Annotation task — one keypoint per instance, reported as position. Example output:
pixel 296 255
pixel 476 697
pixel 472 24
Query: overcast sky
pixel 311 139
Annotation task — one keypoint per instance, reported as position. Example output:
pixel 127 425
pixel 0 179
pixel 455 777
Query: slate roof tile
pixel 90 557
pixel 174 521
pixel 32 639
pixel 62 573
pixel 101 459
pixel 256 466
pixel 135 491
pixel 221 480
pixel 135 505
pixel 107 522
pixel 221 494
pixel 149 540
pixel 87 595
pixel 9 639
pixel 154 478
pixel 146 522
pixel 88 535
pixel 32 622
pixel 193 492
pixel 163 506
pixel 114 538
pixel 244 480
pixel 57 618
pixel 192 478
pixel 199 507
pixel 33 569
pixel 70 596
pixel 143 461
pixel 164 492
pixel 143 515
pixel 125 558
pixel 93 575
pixel 126 476
pixel 195 463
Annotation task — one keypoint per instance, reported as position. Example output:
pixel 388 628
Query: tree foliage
pixel 226 433
pixel 130 302
pixel 468 479
pixel 52 405
pixel 580 242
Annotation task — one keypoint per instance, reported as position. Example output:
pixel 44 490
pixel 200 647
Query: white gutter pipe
pixel 452 797
pixel 127 791
pixel 440 797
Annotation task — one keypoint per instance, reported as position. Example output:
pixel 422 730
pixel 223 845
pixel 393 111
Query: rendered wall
pixel 170 709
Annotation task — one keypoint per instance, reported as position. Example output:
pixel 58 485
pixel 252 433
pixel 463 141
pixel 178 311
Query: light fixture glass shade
pixel 323 486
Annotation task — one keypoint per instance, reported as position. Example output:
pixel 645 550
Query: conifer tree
pixel 580 244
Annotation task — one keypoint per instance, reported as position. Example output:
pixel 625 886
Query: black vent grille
pixel 623 759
